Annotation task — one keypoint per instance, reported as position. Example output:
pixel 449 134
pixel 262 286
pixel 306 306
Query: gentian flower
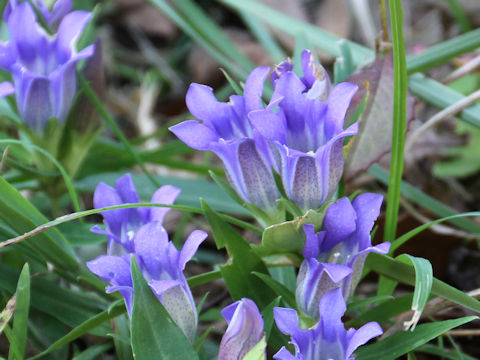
pixel 43 67
pixel 52 15
pixel 226 130
pixel 162 266
pixel 314 279
pixel 328 339
pixel 345 238
pixel 304 126
pixel 245 330
pixel 122 224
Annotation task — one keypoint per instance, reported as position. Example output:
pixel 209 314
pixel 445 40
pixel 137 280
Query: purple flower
pixel 345 238
pixel 43 67
pixel 122 224
pixel 245 330
pixel 162 266
pixel 305 129
pixel 52 16
pixel 226 130
pixel 328 339
pixel 314 279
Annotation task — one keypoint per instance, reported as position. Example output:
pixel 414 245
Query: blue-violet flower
pixel 345 237
pixel 162 266
pixel 122 224
pixel 328 339
pixel 43 67
pixel 245 330
pixel 304 125
pixel 226 130
pixel 314 279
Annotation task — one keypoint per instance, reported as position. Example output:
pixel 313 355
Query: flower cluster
pixel 299 134
pixel 139 232
pixel 43 67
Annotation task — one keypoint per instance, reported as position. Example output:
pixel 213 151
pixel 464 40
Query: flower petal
pixel 362 336
pixel 152 249
pixel 269 125
pixel 194 134
pixel 165 195
pixel 254 88
pixel 338 103
pixel 190 247
pixel 69 32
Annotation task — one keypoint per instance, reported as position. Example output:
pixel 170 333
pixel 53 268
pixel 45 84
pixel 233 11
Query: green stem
pixel 399 120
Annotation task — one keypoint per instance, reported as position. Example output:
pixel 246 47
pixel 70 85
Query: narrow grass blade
pixel 444 51
pixel 400 343
pixel 115 310
pixel 399 120
pixel 423 286
pixel 20 316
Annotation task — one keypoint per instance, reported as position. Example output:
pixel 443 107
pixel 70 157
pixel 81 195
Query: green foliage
pixel 400 343
pixel 154 334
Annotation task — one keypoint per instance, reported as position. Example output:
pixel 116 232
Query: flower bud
pixel 245 330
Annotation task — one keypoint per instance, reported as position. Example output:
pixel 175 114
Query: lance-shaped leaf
pixel 375 82
pixel 154 334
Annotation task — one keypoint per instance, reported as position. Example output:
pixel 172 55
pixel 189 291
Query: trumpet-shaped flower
pixel 314 279
pixel 122 224
pixel 328 339
pixel 43 67
pixel 162 266
pixel 304 124
pixel 226 130
pixel 245 330
pixel 345 237
pixel 52 15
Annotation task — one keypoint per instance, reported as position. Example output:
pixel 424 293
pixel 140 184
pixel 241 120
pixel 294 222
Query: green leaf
pixel 258 351
pixel 442 352
pixel 154 334
pixel 20 317
pixel 238 274
pixel 289 235
pixel 423 286
pixel 384 311
pixel 279 289
pixel 268 319
pixel 401 343
pixel 444 51
pixel 400 92
pixel 94 351
pixel 21 216
pixel 405 237
pixel 87 326
pixel 396 270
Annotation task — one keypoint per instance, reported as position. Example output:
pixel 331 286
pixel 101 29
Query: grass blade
pixel 399 120
pixel 20 316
